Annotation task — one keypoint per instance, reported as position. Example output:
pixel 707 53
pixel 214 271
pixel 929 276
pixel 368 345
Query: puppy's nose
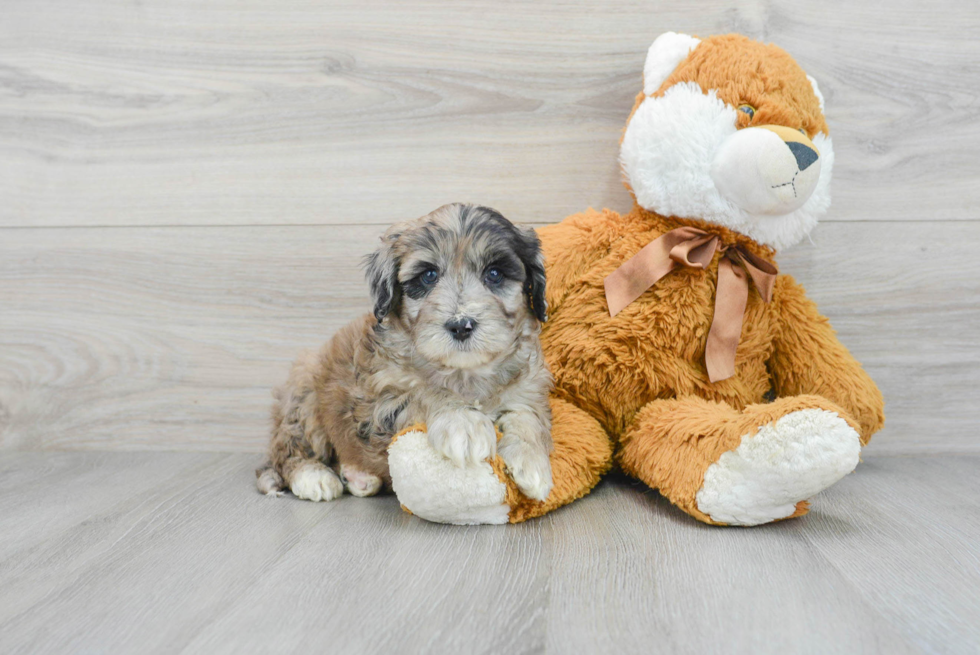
pixel 805 155
pixel 461 328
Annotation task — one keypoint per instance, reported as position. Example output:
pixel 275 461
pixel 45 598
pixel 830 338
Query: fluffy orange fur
pixel 582 455
pixel 640 375
pixel 762 75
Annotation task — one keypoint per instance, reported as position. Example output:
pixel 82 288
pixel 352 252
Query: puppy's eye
pixel 429 277
pixel 748 110
pixel 493 275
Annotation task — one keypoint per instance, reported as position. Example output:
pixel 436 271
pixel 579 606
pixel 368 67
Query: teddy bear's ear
pixel 816 90
pixel 669 50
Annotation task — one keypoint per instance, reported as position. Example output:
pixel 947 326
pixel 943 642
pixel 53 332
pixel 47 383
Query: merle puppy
pixel 452 343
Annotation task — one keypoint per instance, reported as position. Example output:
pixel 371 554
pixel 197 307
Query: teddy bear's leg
pixel 431 487
pixel 725 466
pixel 582 455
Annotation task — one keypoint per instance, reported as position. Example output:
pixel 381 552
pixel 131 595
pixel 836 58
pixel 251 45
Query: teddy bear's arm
pixel 572 247
pixel 431 487
pixel 809 359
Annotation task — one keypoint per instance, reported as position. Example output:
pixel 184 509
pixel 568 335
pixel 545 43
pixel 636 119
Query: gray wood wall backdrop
pixel 186 188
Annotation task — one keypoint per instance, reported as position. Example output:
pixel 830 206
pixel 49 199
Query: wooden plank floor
pixel 176 552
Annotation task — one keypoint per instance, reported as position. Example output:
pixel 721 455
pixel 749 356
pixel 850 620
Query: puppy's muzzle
pixel 770 169
pixel 461 328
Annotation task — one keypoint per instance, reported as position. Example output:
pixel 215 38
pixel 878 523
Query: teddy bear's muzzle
pixel 770 169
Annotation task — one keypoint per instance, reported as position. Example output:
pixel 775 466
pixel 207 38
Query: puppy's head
pixel 463 281
pixel 731 131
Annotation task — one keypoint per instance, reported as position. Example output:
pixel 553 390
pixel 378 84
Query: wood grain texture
pixel 300 112
pixel 172 338
pixel 197 561
pixel 658 577
pixel 907 568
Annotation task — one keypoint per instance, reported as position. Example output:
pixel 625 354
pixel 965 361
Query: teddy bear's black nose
pixel 805 155
pixel 461 328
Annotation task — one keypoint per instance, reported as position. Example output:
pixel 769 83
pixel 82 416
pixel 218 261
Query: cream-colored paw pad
pixel 771 471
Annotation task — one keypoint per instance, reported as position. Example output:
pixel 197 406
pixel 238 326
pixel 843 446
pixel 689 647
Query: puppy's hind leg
pixel 268 481
pixel 308 479
pixel 299 450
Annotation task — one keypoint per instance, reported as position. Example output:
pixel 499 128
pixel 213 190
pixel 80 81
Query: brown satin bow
pixel 694 248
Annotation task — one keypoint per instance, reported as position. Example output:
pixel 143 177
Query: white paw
pixel 528 466
pixel 359 483
pixel 315 482
pixel 464 436
pixel 785 462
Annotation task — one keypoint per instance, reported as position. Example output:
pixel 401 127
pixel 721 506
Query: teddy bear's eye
pixel 748 110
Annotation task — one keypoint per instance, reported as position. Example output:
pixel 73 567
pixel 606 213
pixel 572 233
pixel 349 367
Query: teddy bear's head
pixel 730 131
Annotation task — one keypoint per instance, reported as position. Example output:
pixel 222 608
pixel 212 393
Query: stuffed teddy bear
pixel 679 352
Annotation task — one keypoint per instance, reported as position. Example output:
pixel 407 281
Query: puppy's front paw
pixel 315 482
pixel 463 435
pixel 529 467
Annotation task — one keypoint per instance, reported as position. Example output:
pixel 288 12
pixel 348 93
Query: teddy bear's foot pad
pixel 785 462
pixel 433 488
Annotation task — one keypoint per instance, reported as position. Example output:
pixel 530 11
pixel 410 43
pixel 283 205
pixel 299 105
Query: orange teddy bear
pixel 678 351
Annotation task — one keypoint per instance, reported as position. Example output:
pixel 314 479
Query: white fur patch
pixel 667 154
pixel 771 471
pixel 816 91
pixel 775 185
pixel 315 482
pixel 664 55
pixel 668 148
pixel 529 467
pixel 435 489
pixel 465 436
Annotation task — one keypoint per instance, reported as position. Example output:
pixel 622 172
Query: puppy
pixel 452 343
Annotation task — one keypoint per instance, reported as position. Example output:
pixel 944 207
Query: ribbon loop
pixel 695 248
pixel 696 252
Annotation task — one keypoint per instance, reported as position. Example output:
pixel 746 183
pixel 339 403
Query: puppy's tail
pixel 268 481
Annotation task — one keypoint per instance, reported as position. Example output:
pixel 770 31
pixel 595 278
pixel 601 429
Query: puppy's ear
pixel 381 271
pixel 529 252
